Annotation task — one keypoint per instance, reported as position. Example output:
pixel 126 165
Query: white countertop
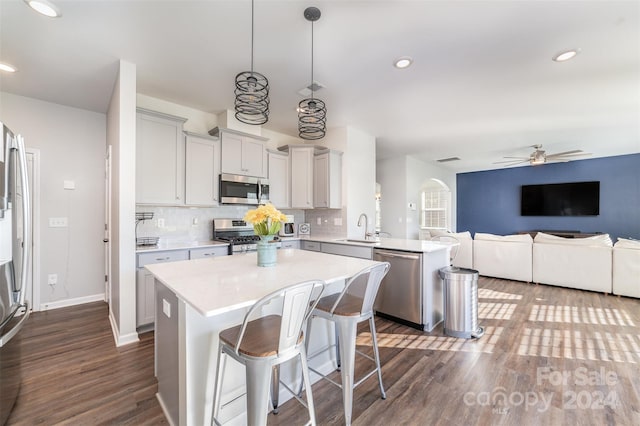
pixel 217 285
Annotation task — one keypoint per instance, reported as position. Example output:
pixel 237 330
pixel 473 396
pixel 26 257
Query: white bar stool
pixel 262 342
pixel 347 309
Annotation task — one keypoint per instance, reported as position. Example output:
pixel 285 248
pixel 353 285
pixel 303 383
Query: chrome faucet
pixel 367 234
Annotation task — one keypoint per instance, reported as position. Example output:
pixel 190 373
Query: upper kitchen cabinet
pixel 202 170
pixel 279 179
pixel 159 158
pixel 327 180
pixel 301 176
pixel 242 153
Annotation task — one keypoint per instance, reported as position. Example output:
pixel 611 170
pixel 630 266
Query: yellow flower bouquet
pixel 265 219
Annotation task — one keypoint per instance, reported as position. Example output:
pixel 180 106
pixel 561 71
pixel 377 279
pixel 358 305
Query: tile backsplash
pixel 191 223
pixel 329 222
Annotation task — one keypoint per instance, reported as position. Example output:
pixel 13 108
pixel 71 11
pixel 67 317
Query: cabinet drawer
pixel 310 245
pixel 290 244
pixel 201 253
pixel 347 250
pixel 161 256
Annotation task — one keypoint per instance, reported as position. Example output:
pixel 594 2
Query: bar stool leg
pixel 347 338
pixel 258 376
pixel 372 325
pixel 217 393
pixel 337 345
pixel 307 385
pixel 275 387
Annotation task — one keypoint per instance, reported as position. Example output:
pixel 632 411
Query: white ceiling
pixel 482 85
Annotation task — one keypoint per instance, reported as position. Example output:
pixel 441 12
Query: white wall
pixel 121 135
pixel 359 179
pixel 402 179
pixel 391 175
pixel 71 143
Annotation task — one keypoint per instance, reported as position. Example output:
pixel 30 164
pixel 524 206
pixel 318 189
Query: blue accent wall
pixel 489 201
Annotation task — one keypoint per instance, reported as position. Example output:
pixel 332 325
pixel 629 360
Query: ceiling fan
pixel 539 156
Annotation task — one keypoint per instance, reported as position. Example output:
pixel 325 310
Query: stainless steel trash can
pixel 461 302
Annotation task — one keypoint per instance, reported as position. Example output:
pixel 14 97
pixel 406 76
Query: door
pixel 107 227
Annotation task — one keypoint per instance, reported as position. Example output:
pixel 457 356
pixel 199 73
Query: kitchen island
pixel 196 299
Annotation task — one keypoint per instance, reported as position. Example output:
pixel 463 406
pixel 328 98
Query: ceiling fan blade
pixel 518 158
pixel 512 162
pixel 560 154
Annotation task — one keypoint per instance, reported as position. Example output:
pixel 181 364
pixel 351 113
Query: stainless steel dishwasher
pixel 400 294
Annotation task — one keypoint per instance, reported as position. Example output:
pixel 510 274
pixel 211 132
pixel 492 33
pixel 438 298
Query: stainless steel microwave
pixel 237 189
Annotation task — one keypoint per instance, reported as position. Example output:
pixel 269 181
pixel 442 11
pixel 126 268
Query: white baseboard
pixel 124 339
pixel 164 409
pixel 71 302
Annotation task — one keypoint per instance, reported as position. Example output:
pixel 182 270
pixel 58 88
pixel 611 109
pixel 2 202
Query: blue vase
pixel 267 251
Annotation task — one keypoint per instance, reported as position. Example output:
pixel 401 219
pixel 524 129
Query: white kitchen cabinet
pixel 202 171
pixel 301 176
pixel 145 292
pixel 243 154
pixel 279 179
pixel 159 158
pixel 327 180
pixel 205 252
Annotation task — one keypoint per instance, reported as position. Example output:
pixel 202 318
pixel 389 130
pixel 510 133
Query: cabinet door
pixel 202 171
pixel 231 153
pixel 301 177
pixel 145 293
pixel 321 180
pixel 253 157
pixel 159 160
pixel 279 180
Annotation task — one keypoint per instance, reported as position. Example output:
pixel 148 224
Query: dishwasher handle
pixel 396 254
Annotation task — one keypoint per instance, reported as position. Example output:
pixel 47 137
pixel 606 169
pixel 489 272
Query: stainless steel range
pixel 238 233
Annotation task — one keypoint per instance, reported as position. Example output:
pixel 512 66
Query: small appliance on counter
pixel 288 228
pixel 304 229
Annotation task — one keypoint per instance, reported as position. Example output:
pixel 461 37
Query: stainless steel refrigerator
pixel 14 258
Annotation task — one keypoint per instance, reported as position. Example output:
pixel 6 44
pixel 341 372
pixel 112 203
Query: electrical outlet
pixel 57 222
pixel 195 221
pixel 319 221
pixel 52 279
pixel 166 308
pixel 160 223
pixel 337 221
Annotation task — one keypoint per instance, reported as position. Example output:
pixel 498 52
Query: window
pixel 435 211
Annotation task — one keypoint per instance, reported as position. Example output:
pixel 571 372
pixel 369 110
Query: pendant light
pixel 252 93
pixel 312 112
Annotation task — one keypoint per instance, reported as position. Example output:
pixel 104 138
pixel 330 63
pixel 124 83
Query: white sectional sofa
pixel 464 256
pixel 508 256
pixel 626 268
pixel 582 263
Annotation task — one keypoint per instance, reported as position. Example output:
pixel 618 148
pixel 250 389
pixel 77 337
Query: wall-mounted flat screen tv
pixel 561 199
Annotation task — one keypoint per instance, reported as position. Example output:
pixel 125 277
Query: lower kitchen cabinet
pixel 201 253
pixel 145 292
pixel 347 250
pixel 310 245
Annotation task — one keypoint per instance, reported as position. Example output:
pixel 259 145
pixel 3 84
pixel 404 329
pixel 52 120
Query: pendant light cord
pixel 311 59
pixel 251 36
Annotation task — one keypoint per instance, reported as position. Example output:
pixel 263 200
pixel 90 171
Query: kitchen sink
pixel 355 240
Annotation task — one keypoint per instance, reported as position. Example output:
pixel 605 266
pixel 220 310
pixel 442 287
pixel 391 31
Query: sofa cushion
pixel 627 244
pixel 522 238
pixel 460 235
pixel 597 240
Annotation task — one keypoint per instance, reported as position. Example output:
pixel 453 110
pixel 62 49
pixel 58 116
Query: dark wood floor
pixel 549 356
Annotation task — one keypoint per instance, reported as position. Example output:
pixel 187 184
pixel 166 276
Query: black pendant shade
pixel 252 93
pixel 312 112
pixel 252 98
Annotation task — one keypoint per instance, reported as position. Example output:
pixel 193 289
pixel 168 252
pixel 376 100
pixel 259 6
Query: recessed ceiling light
pixel 566 55
pixel 45 7
pixel 7 68
pixel 403 62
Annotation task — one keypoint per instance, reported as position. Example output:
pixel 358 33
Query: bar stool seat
pixel 261 343
pixel 346 309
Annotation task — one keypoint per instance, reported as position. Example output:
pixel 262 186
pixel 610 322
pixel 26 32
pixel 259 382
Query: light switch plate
pixel 166 308
pixel 57 222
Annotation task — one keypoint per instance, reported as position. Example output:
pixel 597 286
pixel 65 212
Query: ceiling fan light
pixel 44 7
